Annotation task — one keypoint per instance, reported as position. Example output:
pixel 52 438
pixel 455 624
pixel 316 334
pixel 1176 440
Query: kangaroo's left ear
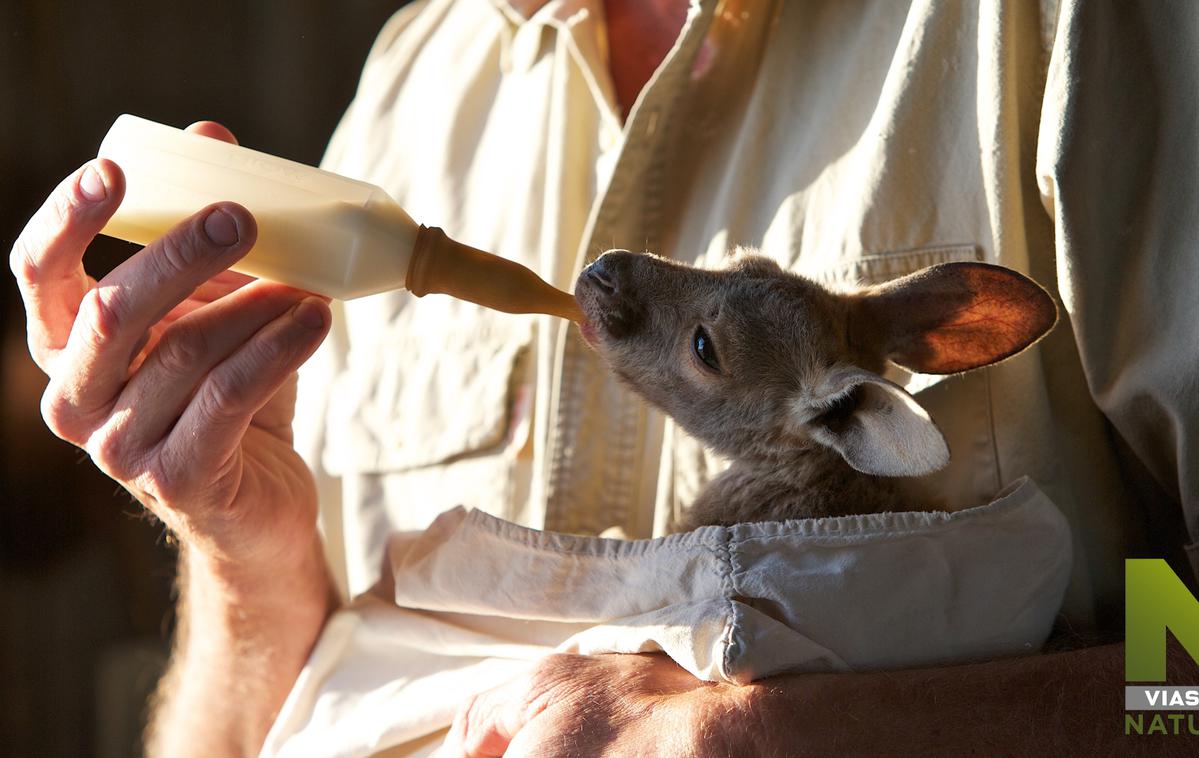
pixel 951 317
pixel 876 426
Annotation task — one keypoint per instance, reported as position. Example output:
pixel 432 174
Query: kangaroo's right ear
pixel 951 317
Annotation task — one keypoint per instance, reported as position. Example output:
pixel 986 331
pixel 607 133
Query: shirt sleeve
pixel 1117 171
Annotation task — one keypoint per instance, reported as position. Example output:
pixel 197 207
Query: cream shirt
pixel 851 142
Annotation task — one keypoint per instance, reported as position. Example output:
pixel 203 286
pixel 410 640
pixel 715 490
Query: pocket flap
pixel 420 397
pixel 883 267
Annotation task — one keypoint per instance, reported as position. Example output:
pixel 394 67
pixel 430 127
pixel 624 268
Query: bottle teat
pixel 442 265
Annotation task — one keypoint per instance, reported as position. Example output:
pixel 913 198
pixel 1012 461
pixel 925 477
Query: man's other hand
pixel 643 705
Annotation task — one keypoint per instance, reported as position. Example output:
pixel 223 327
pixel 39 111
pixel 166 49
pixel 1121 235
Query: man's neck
pixel 640 34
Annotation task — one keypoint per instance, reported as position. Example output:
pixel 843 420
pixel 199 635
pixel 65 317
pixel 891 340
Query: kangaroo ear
pixel 875 425
pixel 951 317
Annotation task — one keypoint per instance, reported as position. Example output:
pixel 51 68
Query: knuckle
pixel 224 395
pixel 183 247
pixel 62 200
pixel 468 709
pixel 22 262
pixel 240 380
pixel 183 348
pixel 109 449
pixel 157 481
pixel 177 252
pixel 264 352
pixel 55 218
pixel 103 311
pixel 549 675
pixel 60 414
pixel 472 727
pixel 115 452
pixel 63 209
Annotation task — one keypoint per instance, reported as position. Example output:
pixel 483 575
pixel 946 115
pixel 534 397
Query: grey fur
pixel 797 403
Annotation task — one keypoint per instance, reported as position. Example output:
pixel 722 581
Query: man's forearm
pixel 1039 704
pixel 242 641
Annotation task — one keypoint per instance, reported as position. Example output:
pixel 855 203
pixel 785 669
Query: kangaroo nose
pixel 604 273
pixel 602 278
pixel 610 296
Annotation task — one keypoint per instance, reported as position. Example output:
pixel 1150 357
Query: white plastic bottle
pixel 317 230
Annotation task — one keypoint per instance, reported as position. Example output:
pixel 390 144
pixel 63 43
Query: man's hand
pixel 169 371
pixel 178 379
pixel 642 705
pixel 1051 704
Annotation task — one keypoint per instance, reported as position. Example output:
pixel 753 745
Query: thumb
pixel 212 130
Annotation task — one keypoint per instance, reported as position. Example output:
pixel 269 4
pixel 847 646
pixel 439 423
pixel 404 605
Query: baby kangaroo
pixel 782 376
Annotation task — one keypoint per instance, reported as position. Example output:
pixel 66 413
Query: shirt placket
pixel 603 443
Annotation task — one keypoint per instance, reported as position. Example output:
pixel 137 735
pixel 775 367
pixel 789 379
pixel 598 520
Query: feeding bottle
pixel 317 230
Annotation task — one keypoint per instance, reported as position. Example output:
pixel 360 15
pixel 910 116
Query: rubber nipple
pixel 442 265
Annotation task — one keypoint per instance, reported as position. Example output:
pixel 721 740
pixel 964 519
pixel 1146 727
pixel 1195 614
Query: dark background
pixel 85 579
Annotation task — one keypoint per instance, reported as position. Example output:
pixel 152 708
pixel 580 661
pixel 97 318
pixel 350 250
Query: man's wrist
pixel 231 613
pixel 724 719
pixel 298 580
pixel 244 628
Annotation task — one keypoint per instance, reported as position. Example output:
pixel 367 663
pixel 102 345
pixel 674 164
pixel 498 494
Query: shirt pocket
pixel 877 268
pixel 431 386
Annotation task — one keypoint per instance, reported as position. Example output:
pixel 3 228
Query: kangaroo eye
pixel 705 350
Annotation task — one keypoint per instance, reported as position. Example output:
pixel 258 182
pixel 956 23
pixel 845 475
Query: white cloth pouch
pixel 474 600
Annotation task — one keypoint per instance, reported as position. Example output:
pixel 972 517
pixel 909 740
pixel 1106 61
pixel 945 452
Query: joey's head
pixel 762 364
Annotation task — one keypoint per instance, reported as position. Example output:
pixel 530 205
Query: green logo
pixel 1155 600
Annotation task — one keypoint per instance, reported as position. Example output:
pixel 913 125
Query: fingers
pixel 493 720
pixel 47 258
pixel 486 726
pixel 164 383
pixel 212 130
pixel 575 705
pixel 115 315
pixel 235 389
